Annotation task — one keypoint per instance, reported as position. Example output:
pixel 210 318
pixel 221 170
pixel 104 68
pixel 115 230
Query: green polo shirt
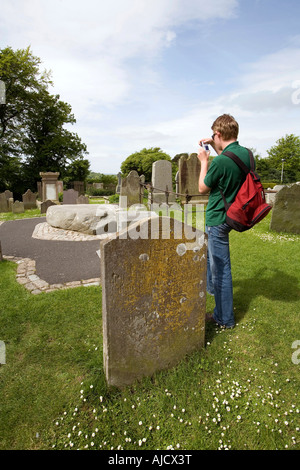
pixel 224 174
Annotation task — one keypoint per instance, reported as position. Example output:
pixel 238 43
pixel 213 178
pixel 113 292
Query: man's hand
pixel 203 157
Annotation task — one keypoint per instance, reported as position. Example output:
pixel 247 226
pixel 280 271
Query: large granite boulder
pixel 85 218
pixel 94 219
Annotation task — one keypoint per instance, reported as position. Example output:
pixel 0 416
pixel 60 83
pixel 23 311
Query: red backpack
pixel 249 206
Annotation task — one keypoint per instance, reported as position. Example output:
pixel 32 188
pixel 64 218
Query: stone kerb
pixel 154 282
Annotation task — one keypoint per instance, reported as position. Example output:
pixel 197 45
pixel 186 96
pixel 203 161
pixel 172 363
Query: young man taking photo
pixel 223 174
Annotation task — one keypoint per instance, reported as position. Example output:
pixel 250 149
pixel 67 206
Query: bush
pixel 100 192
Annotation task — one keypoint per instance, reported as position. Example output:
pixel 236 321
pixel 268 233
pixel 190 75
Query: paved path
pixel 57 262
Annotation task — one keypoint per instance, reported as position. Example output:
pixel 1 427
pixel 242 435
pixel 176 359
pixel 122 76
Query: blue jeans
pixel 219 279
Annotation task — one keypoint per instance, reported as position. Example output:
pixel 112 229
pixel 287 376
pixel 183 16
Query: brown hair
pixel 227 126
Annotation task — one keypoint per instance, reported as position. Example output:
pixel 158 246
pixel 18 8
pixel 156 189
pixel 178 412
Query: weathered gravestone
pixel 286 210
pixel 161 180
pixel 44 206
pixel 130 190
pixel 188 178
pixel 82 199
pixel 49 186
pixel 18 207
pixel 154 297
pixel 1 257
pixel 70 196
pixel 3 203
pixel 29 200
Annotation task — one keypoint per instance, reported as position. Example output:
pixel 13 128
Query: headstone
pixel 286 210
pixel 82 200
pixel 3 203
pixel 118 188
pixel 60 186
pixel 45 205
pixel 189 171
pixel 70 196
pixel 161 180
pixel 29 200
pixel 130 189
pixel 39 189
pixel 49 186
pixel 1 257
pixel 8 194
pixel 154 297
pixel 10 203
pixel 78 186
pixel 18 207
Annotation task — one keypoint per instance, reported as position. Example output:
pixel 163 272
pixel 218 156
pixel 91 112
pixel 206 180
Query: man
pixel 222 174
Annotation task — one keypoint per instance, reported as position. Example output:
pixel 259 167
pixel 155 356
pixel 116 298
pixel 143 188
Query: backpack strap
pixel 242 166
pixel 239 162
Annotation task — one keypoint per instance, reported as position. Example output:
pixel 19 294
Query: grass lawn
pixel 240 392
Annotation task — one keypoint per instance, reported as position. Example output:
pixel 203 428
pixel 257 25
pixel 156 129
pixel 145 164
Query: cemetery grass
pixel 240 392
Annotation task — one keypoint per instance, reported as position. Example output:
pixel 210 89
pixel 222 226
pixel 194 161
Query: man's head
pixel 227 126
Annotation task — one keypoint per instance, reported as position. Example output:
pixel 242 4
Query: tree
pixel 32 133
pixel 47 145
pixel 286 154
pixel 142 162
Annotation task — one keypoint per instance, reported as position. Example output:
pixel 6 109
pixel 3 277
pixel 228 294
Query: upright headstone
pixel 44 206
pixel 3 203
pixel 29 200
pixel 78 186
pixel 118 187
pixel 49 186
pixel 70 196
pixel 286 210
pixel 161 180
pixel 60 186
pixel 130 189
pixel 18 207
pixel 8 194
pixel 1 257
pixel 189 171
pixel 154 297
pixel 82 200
pixel 10 203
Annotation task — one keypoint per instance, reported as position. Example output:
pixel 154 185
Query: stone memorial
pixel 82 199
pixel 286 210
pixel 70 196
pixel 49 186
pixel 79 187
pixel 45 205
pixel 18 207
pixel 154 297
pixel 8 194
pixel 1 256
pixel 29 200
pixel 188 177
pixel 3 203
pixel 162 179
pixel 130 189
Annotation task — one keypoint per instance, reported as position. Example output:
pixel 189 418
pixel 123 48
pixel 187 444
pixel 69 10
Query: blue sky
pixel 141 73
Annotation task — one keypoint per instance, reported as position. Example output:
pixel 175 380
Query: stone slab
pixel 286 210
pixel 154 297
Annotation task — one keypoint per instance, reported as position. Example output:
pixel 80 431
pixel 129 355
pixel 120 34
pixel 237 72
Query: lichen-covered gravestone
pixel 154 297
pixel 286 210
